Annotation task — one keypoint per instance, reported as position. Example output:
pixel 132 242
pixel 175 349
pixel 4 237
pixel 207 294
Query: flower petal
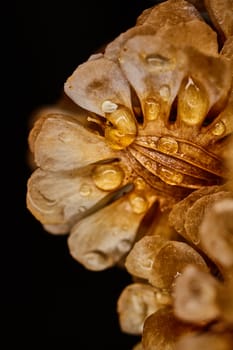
pixel 221 14
pixel 135 304
pixel 103 238
pixel 162 330
pixel 168 13
pixel 170 261
pixel 60 199
pixel 95 82
pixel 195 296
pixel 216 230
pixel 63 144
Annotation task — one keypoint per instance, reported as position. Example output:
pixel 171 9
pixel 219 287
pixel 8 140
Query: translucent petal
pixel 60 199
pixel 62 144
pixel 135 304
pixel 95 82
pixel 103 238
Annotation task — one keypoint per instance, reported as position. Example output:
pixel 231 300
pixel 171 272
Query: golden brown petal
pixel 60 143
pixel 207 341
pixel 178 213
pixel 135 304
pixel 221 14
pixel 216 231
pixel 170 261
pixel 140 259
pixel 162 330
pixel 195 296
pixel 171 12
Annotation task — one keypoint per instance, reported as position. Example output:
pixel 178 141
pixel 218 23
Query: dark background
pixel 45 293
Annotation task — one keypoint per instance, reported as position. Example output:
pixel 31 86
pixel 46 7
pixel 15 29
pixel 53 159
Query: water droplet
pixel 108 177
pixel 158 62
pixel 121 128
pixel 165 92
pixel 139 183
pixel 82 209
pixel 96 259
pixel 171 177
pixel 108 106
pixel 168 145
pixel 148 164
pixel 151 109
pixel 138 203
pixel 192 103
pixel 219 129
pixel 85 190
pixel 124 245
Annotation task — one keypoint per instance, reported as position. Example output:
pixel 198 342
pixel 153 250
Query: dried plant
pixel 135 164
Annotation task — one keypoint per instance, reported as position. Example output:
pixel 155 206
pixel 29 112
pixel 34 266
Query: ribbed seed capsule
pixel 192 103
pixel 121 128
pixel 108 177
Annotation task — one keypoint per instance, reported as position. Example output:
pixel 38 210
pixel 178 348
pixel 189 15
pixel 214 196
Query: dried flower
pixel 137 168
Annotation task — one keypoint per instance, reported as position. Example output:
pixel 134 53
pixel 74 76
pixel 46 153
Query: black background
pixel 45 293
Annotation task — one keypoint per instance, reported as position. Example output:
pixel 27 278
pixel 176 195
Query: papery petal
pixel 102 239
pixel 135 304
pixel 151 66
pixel 95 82
pixel 61 198
pixel 221 14
pixel 171 12
pixel 195 296
pixel 178 213
pixel 62 144
pixel 162 330
pixel 113 49
pixel 216 230
pixel 207 341
pixel 140 259
pixel 170 261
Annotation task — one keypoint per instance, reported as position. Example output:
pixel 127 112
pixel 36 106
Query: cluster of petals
pixel 135 165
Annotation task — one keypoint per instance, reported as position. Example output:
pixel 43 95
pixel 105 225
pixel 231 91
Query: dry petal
pixel 135 304
pixel 216 231
pixel 195 296
pixel 170 262
pixel 103 238
pixel 178 213
pixel 60 199
pixel 221 14
pixel 64 144
pixel 140 259
pixel 207 341
pixel 171 12
pixel 162 330
pixel 95 82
